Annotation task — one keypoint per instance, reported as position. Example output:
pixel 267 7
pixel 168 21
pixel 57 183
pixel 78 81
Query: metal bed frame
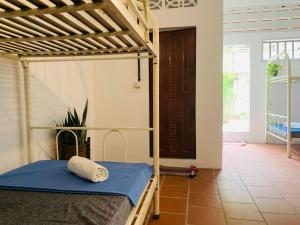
pixel 80 30
pixel 286 78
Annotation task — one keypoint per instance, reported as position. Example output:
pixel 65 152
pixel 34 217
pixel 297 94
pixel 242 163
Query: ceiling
pixel 245 3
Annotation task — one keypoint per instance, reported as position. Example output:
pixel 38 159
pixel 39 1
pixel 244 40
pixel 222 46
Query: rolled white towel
pixel 87 169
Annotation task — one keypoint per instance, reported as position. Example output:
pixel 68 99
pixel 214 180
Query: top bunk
pixel 49 28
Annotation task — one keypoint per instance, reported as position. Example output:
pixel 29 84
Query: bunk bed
pixel 281 125
pixel 79 30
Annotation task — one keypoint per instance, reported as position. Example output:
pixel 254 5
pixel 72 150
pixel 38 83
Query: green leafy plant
pixel 72 120
pixel 273 69
pixel 228 95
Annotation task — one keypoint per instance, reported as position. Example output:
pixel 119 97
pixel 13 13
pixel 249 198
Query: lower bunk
pixel 45 193
pixel 281 129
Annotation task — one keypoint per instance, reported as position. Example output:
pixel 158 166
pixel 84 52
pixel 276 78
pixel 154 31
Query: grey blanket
pixel 41 208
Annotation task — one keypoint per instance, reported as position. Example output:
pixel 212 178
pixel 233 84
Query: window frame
pixel 285 41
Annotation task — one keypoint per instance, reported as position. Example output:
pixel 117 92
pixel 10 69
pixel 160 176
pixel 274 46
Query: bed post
pixel 155 113
pixel 267 109
pixel 156 132
pixel 289 114
pixel 27 106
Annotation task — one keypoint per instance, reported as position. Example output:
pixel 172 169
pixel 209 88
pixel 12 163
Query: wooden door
pixel 177 94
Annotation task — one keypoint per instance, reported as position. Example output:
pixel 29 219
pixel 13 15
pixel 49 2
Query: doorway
pixel 236 89
pixel 177 94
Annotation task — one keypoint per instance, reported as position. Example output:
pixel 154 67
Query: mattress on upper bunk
pixel 45 192
pixel 281 128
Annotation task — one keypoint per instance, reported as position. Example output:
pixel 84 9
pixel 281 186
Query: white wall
pixel 10 116
pixel 258 84
pixel 54 87
pixel 114 88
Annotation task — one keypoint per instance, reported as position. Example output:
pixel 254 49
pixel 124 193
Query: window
pixel 289 48
pixel 272 48
pixel 297 50
pixel 281 47
pixel 236 88
pixel 266 51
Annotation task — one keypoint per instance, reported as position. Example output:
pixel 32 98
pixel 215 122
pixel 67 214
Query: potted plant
pixel 273 69
pixel 67 144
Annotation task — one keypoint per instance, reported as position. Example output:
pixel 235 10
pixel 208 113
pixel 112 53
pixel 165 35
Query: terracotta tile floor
pixel 258 185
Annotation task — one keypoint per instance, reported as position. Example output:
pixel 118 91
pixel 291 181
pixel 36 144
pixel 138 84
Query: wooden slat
pixel 115 9
pixel 31 24
pixel 18 47
pixel 83 28
pixel 62 25
pixel 6 5
pixel 8 32
pixel 63 45
pixel 49 45
pixel 38 3
pixel 87 54
pixel 75 52
pixel 70 27
pixel 87 43
pixel 20 27
pixel 109 24
pixel 52 10
pixel 23 4
pixel 64 37
pixel 14 30
pixel 46 24
pixel 4 35
pixel 74 44
pixel 94 24
pixel 6 48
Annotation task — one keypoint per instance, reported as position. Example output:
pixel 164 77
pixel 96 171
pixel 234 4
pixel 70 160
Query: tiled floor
pixel 258 185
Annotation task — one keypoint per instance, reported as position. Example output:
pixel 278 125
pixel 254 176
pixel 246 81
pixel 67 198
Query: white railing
pixel 56 141
pixel 109 131
pixel 274 122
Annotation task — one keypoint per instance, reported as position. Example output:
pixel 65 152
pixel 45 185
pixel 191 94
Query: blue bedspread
pixel 283 128
pixel 127 179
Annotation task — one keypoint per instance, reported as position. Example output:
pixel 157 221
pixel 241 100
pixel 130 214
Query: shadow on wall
pixel 47 109
pixel 10 116
pixel 54 88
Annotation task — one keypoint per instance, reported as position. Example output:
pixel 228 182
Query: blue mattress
pixel 282 129
pixel 127 179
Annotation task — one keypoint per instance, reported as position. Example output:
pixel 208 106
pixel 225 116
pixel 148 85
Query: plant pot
pixel 66 151
pixel 275 74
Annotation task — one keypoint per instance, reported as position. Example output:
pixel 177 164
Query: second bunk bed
pixel 281 122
